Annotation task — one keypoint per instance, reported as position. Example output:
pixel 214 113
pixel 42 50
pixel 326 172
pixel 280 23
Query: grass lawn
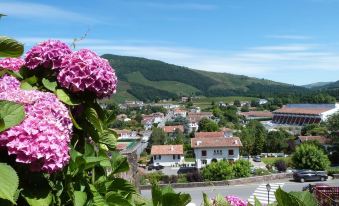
pixel 271 160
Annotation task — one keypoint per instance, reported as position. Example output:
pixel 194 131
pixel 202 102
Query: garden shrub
pixel 333 170
pixel 280 165
pixel 241 168
pixel 261 172
pixel 309 156
pixel 217 171
pixel 195 176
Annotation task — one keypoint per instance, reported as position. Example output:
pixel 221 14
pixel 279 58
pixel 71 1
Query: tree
pixel 308 156
pixel 207 125
pixel 333 126
pixel 245 109
pixel 158 136
pixel 237 103
pixel 314 129
pixel 277 141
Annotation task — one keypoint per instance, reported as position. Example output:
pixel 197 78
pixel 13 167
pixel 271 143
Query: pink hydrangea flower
pixel 48 54
pixel 9 83
pixel 84 71
pixel 11 63
pixel 235 201
pixel 42 139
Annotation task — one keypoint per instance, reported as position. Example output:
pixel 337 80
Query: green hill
pixel 147 80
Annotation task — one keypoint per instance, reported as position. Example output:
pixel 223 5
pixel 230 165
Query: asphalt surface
pixel 242 191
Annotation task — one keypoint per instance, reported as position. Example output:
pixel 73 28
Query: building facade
pixel 213 149
pixel 167 155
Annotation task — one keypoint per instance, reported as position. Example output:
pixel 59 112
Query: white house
pixel 209 149
pixel 167 155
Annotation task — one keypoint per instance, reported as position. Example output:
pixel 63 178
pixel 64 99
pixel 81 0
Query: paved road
pixel 243 191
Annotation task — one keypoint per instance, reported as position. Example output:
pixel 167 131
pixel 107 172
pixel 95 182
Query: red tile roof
pixel 170 129
pixel 209 134
pixel 321 139
pixel 122 145
pixel 216 142
pixel 257 114
pixel 311 111
pixel 167 149
pixel 196 117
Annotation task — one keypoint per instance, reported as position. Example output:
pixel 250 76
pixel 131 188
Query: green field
pixel 170 86
pixel 205 102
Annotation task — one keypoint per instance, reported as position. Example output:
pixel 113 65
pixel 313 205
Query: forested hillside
pixel 148 80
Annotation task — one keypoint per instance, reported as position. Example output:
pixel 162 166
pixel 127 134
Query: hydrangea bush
pixel 55 144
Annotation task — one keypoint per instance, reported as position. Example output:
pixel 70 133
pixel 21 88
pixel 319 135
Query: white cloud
pixel 41 11
pixel 290 37
pixel 261 61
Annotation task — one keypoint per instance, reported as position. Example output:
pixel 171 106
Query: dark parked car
pixel 156 167
pixel 309 175
pixel 257 159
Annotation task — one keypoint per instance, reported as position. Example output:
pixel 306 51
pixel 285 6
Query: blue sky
pixel 292 41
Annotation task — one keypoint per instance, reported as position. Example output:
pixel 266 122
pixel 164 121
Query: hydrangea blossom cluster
pixel 235 201
pixel 9 83
pixel 48 54
pixel 85 71
pixel 42 139
pixel 11 63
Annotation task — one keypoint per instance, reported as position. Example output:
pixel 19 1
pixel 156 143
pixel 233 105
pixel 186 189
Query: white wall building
pixel 210 149
pixel 167 155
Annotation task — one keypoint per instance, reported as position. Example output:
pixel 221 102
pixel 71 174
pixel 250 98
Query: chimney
pixel 235 141
pixel 172 148
pixel 199 143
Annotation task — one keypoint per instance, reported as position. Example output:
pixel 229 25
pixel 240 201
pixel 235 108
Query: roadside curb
pixel 239 181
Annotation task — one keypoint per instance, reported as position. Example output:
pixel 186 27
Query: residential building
pixel 227 132
pixel 302 114
pixel 167 155
pixel 126 134
pixel 170 130
pixel 324 141
pixel 194 119
pixel 262 101
pixel 211 148
pixel 179 112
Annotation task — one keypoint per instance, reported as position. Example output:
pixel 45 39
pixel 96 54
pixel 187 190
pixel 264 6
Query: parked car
pixel 257 159
pixel 309 175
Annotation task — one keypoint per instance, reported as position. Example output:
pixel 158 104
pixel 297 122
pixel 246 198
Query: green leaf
pixel 80 198
pixel 221 201
pixel 50 85
pixel 26 86
pixel 10 47
pixel 31 80
pixel 11 114
pixel 257 202
pixel 65 98
pixel 116 199
pixel 92 161
pixel 306 197
pixel 156 194
pixel 74 121
pixel 9 182
pixel 207 201
pixel 92 117
pixel 122 185
pixel 98 200
pixel 38 197
pixel 108 138
pixel 286 199
pixel 119 163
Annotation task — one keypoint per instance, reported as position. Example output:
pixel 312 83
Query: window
pixel 174 157
pixel 159 157
pixel 204 162
pixel 203 153
pixel 178 157
pixel 217 152
pixel 230 152
pixel 155 157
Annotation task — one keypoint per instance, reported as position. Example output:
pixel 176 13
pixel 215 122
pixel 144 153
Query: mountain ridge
pixel 148 80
